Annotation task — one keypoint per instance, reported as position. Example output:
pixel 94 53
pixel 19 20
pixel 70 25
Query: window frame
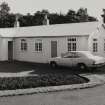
pixel 72 44
pixel 24 45
pixel 95 45
pixel 38 46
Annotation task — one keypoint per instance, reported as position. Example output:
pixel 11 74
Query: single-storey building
pixel 39 43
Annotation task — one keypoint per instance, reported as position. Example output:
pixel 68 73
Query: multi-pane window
pixel 95 45
pixel 94 39
pixel 23 45
pixel 71 44
pixel 38 46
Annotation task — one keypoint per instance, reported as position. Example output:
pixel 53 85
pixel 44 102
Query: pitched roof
pixel 85 28
pixel 7 32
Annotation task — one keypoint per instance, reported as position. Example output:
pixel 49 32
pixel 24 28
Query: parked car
pixel 80 59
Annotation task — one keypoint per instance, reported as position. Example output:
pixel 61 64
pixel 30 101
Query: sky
pixel 60 6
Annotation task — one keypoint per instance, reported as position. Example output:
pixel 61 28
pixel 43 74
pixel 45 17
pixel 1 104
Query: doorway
pixel 53 48
pixel 10 50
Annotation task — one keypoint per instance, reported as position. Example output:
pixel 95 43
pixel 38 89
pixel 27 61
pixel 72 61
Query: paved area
pixel 90 96
pixel 18 74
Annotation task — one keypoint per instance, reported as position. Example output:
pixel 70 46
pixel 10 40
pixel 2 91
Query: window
pixel 95 45
pixel 94 39
pixel 72 55
pixel 23 45
pixel 38 46
pixel 71 44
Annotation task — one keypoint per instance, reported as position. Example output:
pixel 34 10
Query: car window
pixel 72 55
pixel 75 55
pixel 68 56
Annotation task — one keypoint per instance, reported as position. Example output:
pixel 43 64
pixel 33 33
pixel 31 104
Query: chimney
pixel 17 24
pixel 103 15
pixel 46 20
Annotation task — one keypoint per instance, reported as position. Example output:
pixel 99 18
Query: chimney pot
pixel 46 20
pixel 17 24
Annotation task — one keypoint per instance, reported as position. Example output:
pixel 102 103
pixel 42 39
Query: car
pixel 79 59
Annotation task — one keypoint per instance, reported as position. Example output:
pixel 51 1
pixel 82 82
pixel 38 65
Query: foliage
pixel 4 9
pixel 9 83
pixel 7 19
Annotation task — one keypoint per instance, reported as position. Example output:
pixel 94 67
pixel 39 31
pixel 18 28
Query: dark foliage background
pixel 7 19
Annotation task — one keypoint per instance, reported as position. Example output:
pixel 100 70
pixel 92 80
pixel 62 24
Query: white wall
pixel 99 34
pixel 82 43
pixel 4 48
pixel 42 57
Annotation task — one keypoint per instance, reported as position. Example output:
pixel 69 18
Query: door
pixel 67 60
pixel 10 50
pixel 53 48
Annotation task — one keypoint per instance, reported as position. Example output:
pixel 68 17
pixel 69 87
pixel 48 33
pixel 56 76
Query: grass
pixel 10 83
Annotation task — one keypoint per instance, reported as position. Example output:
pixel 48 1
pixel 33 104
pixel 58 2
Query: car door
pixel 79 58
pixel 66 60
pixel 76 58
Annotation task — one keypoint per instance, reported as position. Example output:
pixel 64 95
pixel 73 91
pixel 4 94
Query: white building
pixel 39 43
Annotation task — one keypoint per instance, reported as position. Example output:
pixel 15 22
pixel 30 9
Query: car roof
pixel 77 52
pixel 82 52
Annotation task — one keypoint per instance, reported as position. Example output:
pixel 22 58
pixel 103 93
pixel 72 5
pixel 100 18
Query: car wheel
pixel 53 64
pixel 81 66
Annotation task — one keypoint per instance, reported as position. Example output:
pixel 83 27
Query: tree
pixel 39 17
pixel 91 19
pixel 4 12
pixel 8 19
pixel 82 15
pixel 4 9
pixel 44 11
pixel 71 15
pixel 54 18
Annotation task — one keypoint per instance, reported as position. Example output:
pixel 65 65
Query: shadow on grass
pixel 38 68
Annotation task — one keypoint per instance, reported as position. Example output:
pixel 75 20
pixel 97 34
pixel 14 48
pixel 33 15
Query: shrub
pixel 10 83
